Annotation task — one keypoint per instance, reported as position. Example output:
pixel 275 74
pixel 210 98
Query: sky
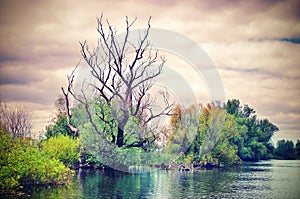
pixel 254 45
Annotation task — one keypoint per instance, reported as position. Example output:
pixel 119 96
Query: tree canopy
pixel 285 149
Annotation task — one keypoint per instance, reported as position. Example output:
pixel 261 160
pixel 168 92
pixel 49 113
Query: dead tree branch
pixel 123 72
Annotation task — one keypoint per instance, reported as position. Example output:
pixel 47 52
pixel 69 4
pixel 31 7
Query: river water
pixel 265 179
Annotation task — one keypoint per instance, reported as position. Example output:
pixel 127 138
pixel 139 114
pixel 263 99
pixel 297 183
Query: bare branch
pixel 16 120
pixel 126 81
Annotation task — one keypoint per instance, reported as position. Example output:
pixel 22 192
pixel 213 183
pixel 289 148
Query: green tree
pixel 210 129
pixel 254 136
pixel 285 150
pixel 61 124
pixel 298 149
pixel 233 107
pixel 100 149
pixel 226 154
pixel 58 126
pixel 213 142
pixel 184 127
pixel 267 130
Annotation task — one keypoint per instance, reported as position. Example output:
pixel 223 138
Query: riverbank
pixel 172 166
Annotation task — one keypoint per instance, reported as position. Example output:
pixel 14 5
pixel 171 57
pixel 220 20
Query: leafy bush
pixel 58 126
pixel 63 148
pixel 22 163
pixel 226 154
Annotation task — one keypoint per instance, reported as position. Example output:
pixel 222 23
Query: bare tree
pixel 16 120
pixel 63 106
pixel 123 73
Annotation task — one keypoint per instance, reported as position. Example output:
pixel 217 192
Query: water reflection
pixel 268 179
pixel 113 184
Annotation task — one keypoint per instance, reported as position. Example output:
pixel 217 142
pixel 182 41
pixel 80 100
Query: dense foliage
pixel 254 139
pixel 212 135
pixel 203 134
pixel 63 148
pixel 286 150
pixel 225 135
pixel 215 134
pixel 22 163
pixel 298 149
pixel 100 149
pixel 58 126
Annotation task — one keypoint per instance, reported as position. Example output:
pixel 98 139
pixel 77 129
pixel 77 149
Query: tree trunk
pixel 120 137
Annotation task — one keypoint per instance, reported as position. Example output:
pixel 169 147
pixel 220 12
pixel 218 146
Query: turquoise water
pixel 265 179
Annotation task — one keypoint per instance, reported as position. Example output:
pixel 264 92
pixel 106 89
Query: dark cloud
pixel 18 93
pixel 243 70
pixel 291 40
pixel 6 57
pixel 19 75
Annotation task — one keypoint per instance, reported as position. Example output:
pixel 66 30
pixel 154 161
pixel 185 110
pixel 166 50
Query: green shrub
pixel 21 164
pixel 63 148
pixel 226 154
pixel 10 158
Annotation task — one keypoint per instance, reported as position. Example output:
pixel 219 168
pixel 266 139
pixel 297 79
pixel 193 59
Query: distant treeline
pixel 286 150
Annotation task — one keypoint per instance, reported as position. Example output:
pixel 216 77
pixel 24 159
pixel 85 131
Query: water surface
pixel 265 179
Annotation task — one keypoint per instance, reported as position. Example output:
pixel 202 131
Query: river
pixel 264 179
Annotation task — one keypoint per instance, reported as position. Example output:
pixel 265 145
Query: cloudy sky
pixel 255 46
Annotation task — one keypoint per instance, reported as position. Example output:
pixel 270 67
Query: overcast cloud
pixel 254 44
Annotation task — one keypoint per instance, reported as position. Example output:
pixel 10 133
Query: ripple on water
pixel 266 179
